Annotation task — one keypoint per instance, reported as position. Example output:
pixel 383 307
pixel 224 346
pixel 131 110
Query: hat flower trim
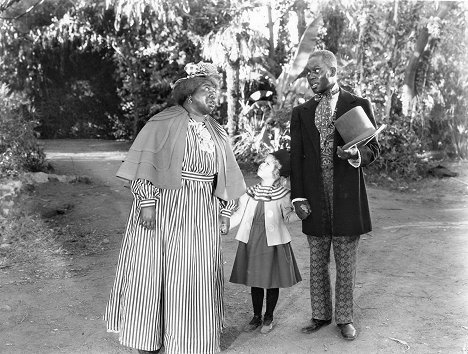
pixel 191 69
pixel 200 69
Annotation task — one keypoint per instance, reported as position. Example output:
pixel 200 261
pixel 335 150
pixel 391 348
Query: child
pixel 264 258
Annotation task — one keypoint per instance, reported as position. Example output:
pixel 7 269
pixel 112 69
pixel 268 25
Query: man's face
pixel 319 75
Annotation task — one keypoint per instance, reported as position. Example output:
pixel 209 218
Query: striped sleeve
pixel 145 192
pixel 227 208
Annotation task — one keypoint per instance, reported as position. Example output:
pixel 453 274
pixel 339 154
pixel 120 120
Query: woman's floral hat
pixel 200 69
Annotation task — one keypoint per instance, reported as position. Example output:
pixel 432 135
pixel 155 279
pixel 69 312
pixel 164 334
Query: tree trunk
pixel 232 94
pixel 409 90
pixel 389 90
pixel 334 20
pixel 359 73
pixel 299 8
pixel 271 40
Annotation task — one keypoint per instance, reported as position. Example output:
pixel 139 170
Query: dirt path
pixel 411 291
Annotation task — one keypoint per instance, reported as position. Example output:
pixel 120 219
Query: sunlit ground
pixel 412 284
pixel 63 149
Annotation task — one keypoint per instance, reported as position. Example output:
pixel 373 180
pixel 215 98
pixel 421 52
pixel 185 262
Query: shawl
pixel 158 150
pixel 267 193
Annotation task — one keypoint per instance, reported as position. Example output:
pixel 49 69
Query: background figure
pixel 264 258
pixel 328 191
pixel 169 282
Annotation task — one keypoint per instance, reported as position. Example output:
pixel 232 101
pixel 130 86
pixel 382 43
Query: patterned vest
pixel 324 121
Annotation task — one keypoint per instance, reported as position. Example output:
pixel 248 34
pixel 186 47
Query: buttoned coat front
pixel 350 205
pixel 277 212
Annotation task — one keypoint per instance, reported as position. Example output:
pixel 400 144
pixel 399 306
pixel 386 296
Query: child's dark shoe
pixel 254 323
pixel 267 325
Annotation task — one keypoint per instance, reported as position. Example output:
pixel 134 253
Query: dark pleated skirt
pixel 259 265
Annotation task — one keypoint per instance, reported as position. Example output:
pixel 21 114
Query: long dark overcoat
pixel 350 206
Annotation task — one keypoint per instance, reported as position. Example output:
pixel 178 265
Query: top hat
pixel 356 128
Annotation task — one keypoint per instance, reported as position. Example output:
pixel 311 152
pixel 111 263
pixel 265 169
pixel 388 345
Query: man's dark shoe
pixel 348 331
pixel 254 323
pixel 315 325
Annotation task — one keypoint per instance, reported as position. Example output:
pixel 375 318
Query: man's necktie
pixel 323 115
pixel 328 93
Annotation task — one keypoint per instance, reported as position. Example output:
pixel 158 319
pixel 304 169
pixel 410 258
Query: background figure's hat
pixel 356 128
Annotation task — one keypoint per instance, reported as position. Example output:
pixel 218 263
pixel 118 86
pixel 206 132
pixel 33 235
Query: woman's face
pixel 204 99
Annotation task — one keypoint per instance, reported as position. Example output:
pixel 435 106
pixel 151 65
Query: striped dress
pixel 168 289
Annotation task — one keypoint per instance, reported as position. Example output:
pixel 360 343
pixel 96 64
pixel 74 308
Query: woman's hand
pixel 225 224
pixel 148 217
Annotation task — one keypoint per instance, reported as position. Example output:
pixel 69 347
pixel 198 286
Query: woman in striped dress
pixel 168 290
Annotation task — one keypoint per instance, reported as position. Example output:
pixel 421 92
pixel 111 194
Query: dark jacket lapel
pixel 308 120
pixel 345 103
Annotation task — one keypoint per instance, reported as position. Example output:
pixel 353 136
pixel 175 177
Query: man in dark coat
pixel 328 191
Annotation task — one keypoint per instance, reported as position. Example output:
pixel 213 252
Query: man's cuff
pixel 298 200
pixel 147 203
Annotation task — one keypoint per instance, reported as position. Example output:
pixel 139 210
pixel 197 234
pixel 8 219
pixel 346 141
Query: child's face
pixel 269 168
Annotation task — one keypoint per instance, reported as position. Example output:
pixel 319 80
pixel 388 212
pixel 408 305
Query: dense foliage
pixel 386 40
pixel 59 64
pixel 19 150
pixel 101 69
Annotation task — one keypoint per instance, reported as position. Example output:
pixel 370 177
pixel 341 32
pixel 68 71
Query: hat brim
pixel 364 138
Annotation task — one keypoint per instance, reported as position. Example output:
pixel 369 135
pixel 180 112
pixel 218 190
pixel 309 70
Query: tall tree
pixel 334 21
pixel 423 40
pixel 135 10
pixel 300 8
pixel 155 39
pixel 230 48
pixel 224 39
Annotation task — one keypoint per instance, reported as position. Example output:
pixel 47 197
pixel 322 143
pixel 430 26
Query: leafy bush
pixel 250 147
pixel 264 128
pixel 401 149
pixel 19 150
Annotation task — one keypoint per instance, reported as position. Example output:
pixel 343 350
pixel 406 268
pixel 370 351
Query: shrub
pixel 263 130
pixel 19 150
pixel 401 149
